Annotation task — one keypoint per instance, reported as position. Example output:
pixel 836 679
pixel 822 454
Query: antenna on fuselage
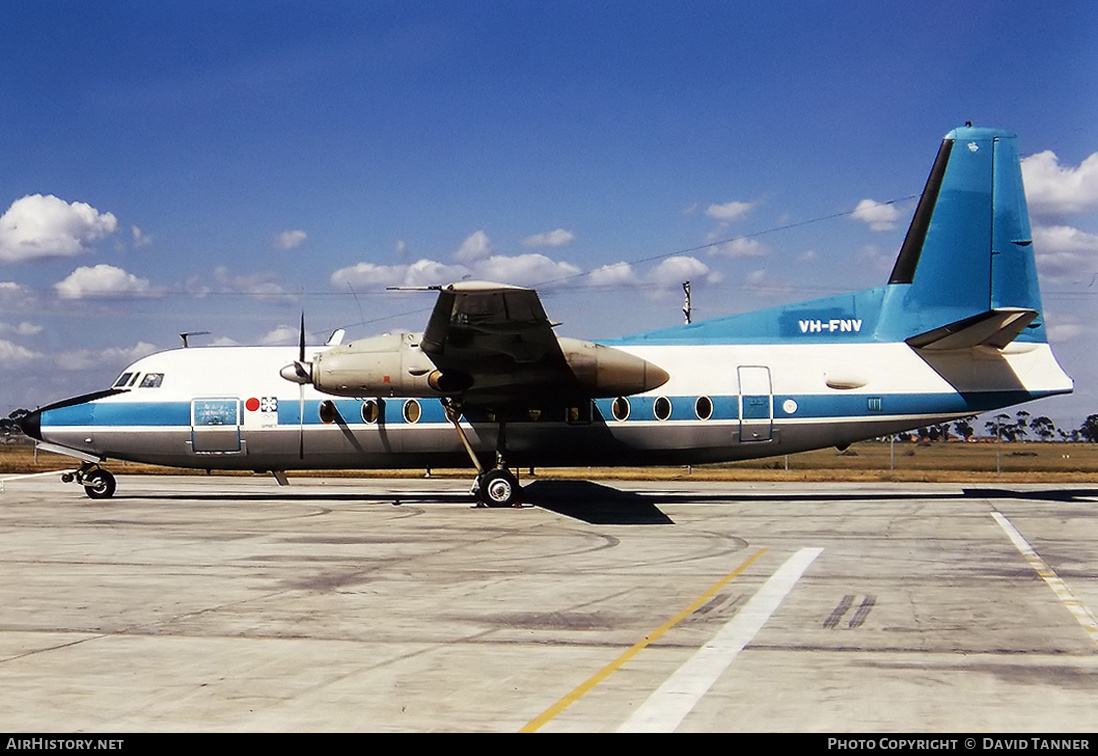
pixel 191 333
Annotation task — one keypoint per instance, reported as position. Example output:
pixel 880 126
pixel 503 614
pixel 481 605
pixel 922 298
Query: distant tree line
pixel 1023 426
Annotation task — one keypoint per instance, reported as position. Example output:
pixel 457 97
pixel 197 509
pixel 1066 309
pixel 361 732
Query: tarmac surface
pixel 229 604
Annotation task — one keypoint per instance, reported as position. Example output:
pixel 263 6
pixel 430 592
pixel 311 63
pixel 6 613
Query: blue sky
pixel 210 166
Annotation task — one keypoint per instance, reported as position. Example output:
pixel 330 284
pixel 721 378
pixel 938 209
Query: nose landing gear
pixel 97 482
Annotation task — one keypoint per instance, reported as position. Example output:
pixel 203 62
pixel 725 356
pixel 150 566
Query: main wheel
pixel 499 488
pixel 99 484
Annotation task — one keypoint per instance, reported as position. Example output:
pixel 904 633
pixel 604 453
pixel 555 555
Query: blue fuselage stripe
pixel 107 414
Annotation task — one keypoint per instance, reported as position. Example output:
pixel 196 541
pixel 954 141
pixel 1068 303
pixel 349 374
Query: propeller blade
pixel 301 340
pixel 302 375
pixel 301 423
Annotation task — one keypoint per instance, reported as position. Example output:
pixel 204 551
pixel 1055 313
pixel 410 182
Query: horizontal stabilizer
pixel 994 328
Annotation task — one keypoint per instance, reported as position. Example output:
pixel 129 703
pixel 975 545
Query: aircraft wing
pixel 494 344
pixel 475 325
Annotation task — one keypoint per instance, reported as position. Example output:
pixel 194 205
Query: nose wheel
pixel 97 482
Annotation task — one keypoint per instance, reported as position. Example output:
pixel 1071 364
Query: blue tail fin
pixel 968 251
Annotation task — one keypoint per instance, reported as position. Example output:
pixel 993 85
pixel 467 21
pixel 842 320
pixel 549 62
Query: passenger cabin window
pixel 620 408
pixel 662 408
pixel 152 380
pixel 371 411
pixel 703 408
pixel 411 411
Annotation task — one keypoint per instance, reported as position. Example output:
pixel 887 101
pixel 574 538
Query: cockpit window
pixel 152 380
pixel 122 380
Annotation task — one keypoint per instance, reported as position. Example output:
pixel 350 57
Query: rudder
pixel 968 250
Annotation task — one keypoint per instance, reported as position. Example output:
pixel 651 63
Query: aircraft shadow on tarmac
pixel 596 503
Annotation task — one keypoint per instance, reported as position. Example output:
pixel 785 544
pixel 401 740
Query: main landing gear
pixel 97 482
pixel 498 487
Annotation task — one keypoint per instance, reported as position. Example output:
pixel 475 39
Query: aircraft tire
pixel 99 484
pixel 499 488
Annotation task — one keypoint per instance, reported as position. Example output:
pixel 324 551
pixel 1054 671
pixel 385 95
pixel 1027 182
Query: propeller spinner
pixel 299 371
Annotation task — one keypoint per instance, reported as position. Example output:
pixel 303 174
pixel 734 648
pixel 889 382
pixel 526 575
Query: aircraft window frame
pixel 373 406
pixel 698 408
pixel 411 411
pixel 620 409
pixel 580 414
pixel 152 380
pixel 122 380
pixel 657 408
pixel 327 411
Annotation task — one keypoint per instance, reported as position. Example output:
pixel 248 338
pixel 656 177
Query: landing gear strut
pixel 498 487
pixel 97 482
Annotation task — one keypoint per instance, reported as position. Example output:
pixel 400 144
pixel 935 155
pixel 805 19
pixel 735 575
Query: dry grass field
pixel 867 461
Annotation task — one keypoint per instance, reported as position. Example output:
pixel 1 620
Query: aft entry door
pixel 215 426
pixel 756 403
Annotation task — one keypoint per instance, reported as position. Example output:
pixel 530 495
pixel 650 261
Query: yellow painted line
pixel 1080 611
pixel 536 723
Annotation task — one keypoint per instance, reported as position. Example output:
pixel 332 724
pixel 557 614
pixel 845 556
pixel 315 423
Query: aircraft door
pixel 215 426
pixel 756 403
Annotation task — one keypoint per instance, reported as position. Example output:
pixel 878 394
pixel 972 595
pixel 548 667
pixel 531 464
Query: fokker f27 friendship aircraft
pixel 957 330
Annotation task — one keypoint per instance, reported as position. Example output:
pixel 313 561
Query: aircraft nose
pixel 31 424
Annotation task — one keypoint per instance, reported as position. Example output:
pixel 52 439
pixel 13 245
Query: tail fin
pixel 968 251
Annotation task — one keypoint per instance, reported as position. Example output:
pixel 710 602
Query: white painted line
pixel 1078 609
pixel 668 706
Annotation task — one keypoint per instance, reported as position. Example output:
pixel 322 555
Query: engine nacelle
pixel 603 371
pixel 393 365
pixel 386 365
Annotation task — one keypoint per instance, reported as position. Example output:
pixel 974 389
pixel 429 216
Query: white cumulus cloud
pixel 741 247
pixel 674 270
pixel 558 237
pixel 523 270
pixel 476 246
pixel 878 216
pixel 13 355
pixel 23 329
pixel 101 281
pixel 729 211
pixel 423 272
pixel 1064 253
pixel 1054 189
pixel 38 226
pixel 615 274
pixel 85 359
pixel 290 239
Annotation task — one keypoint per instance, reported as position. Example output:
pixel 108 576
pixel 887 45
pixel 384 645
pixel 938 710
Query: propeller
pixel 300 372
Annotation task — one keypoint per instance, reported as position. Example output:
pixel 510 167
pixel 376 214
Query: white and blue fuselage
pixel 957 330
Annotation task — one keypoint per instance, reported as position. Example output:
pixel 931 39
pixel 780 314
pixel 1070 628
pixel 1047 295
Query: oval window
pixel 620 408
pixel 411 411
pixel 370 411
pixel 703 408
pixel 328 412
pixel 662 408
